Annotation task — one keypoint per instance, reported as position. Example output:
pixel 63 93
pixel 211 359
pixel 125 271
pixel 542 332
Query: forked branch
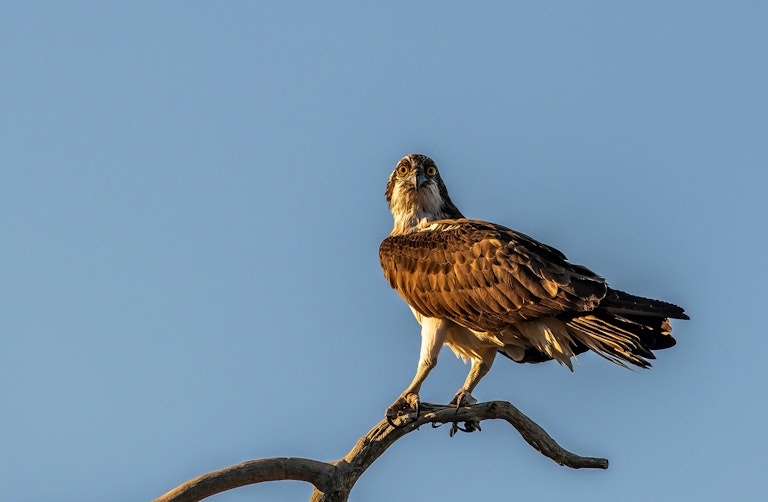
pixel 333 481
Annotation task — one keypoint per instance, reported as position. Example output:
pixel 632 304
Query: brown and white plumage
pixel 482 288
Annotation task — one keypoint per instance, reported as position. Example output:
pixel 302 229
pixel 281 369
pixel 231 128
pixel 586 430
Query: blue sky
pixel 192 200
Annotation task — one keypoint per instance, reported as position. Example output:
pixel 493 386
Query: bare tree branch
pixel 251 472
pixel 333 481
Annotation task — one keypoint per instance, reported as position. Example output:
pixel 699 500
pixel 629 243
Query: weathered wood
pixel 333 481
pixel 249 473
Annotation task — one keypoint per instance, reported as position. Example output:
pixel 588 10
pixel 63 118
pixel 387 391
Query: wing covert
pixel 485 276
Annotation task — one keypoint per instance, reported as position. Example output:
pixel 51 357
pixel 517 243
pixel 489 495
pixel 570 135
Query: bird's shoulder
pixel 458 235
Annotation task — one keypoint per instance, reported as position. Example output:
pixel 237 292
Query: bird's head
pixel 417 195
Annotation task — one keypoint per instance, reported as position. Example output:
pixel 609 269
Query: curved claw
pixel 463 398
pixel 393 424
pixel 470 426
pixel 404 405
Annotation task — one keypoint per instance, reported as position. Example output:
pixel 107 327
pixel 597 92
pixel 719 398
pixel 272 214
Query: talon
pixel 404 405
pixel 414 403
pixel 463 398
pixel 469 426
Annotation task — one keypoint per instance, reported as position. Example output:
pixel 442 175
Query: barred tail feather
pixel 619 340
pixel 625 328
pixel 625 304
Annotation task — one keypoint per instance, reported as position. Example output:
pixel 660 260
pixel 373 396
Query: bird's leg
pixel 463 397
pixel 433 335
pixel 480 367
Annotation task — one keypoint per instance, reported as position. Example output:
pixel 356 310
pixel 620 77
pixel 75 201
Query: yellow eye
pixel 431 171
pixel 402 170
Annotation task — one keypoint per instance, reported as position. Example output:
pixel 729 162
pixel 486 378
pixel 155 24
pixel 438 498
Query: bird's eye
pixel 431 171
pixel 402 170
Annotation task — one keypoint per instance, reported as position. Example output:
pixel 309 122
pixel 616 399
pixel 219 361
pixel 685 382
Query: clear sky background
pixel 192 199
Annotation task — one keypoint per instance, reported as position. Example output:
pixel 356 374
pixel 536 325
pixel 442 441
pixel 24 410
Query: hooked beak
pixel 420 178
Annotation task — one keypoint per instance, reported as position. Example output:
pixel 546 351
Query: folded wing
pixel 485 276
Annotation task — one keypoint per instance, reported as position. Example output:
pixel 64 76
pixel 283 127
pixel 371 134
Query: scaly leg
pixel 478 370
pixel 433 334
pixel 464 396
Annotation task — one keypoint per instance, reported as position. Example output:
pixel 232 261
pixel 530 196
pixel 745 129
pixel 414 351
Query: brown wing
pixel 485 276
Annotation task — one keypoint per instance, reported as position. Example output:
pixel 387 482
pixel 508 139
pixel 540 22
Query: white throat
pixel 414 211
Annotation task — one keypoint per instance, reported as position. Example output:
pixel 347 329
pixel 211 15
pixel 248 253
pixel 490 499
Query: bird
pixel 483 289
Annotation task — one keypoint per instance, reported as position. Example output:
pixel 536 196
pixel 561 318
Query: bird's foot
pixel 464 398
pixel 405 404
pixel 469 426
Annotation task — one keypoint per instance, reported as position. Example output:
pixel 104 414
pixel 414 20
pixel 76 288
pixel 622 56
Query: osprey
pixel 483 289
